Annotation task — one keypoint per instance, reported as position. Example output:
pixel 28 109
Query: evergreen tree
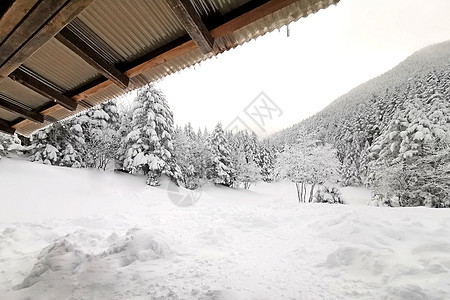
pixel 149 144
pixel 244 154
pixel 46 144
pixel 125 128
pixel 221 170
pixel 266 160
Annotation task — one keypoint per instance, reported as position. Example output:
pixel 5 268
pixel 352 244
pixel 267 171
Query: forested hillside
pixel 392 132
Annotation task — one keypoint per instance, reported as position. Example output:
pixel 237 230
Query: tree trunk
pixel 304 192
pixel 299 193
pixel 311 193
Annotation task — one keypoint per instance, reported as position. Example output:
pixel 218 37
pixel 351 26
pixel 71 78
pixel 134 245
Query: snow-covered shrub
pixel 379 199
pixel 247 172
pixel 309 162
pixel 325 194
pixel 10 144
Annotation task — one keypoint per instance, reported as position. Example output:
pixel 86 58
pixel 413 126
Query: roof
pixel 60 57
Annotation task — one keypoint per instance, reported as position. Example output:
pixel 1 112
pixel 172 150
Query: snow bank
pixel 137 245
pixel 403 251
pixel 61 256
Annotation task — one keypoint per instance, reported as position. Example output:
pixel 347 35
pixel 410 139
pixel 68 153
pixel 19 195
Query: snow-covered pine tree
pixel 244 155
pixel 220 169
pixel 2 150
pixel 201 156
pixel 125 128
pixel 196 156
pixel 149 144
pixel 4 144
pixel 46 144
pixel 401 156
pixel 100 126
pixel 185 144
pixel 266 159
pixel 72 147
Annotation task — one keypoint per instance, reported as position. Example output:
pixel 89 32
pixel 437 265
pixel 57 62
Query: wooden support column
pixel 192 23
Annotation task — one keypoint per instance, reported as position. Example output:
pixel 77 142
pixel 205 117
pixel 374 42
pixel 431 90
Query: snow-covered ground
pixel 85 234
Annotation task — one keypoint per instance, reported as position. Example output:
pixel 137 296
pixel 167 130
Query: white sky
pixel 326 55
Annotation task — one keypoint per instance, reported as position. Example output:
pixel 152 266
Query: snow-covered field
pixel 85 234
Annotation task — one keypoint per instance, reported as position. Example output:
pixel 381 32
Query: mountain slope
pixel 419 64
pixel 401 117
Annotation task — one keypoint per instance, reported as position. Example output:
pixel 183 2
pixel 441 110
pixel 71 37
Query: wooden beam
pixel 192 23
pixel 89 55
pixel 12 17
pixel 52 26
pixel 36 18
pixel 246 18
pixel 41 88
pixel 5 128
pixel 27 114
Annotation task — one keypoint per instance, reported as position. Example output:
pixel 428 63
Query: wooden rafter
pixel 235 20
pixel 27 114
pixel 5 128
pixel 64 13
pixel 74 43
pixel 12 17
pixel 192 23
pixel 30 24
pixel 43 89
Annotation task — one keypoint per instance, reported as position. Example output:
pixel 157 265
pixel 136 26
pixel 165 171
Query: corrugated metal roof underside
pixel 208 8
pixel 22 94
pixel 66 70
pixel 134 27
pixel 153 26
pixel 272 22
pixel 6 115
pixel 27 127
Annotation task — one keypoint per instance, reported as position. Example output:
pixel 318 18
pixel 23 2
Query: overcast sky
pixel 326 55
